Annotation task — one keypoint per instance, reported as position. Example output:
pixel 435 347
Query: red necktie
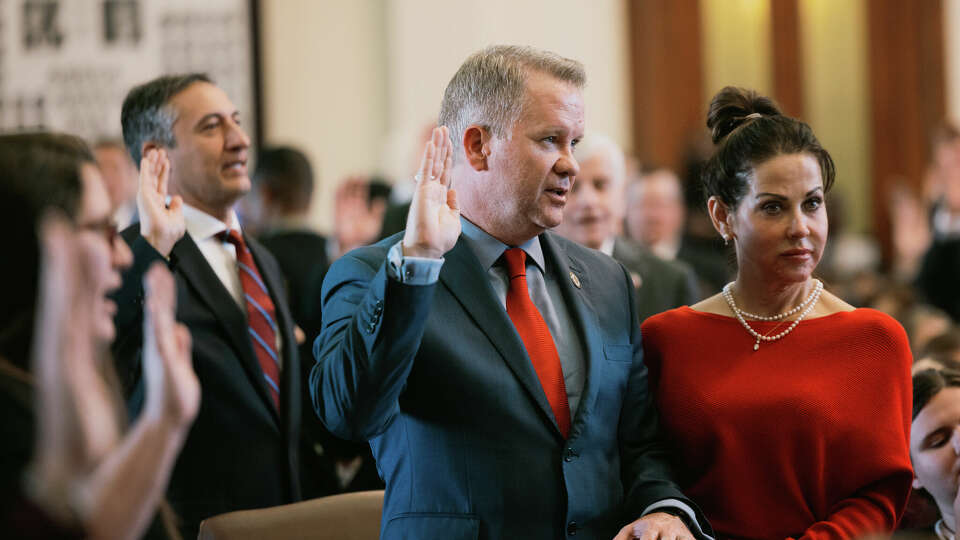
pixel 536 338
pixel 261 314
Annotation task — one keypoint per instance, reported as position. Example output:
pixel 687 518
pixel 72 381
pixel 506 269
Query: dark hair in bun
pixel 749 129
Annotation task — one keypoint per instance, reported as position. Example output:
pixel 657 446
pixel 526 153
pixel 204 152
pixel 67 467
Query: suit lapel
pixel 469 284
pixel 187 259
pixel 584 319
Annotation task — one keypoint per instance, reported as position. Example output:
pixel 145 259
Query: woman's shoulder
pixel 868 319
pixel 699 314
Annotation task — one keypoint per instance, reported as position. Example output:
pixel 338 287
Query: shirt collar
pixel 607 246
pixel 488 249
pixel 202 225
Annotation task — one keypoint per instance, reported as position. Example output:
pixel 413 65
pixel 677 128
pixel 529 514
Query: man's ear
pixel 476 147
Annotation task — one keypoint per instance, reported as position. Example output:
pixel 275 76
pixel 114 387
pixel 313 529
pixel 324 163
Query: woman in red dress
pixel 788 410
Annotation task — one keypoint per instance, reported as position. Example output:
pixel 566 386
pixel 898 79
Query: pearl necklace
pixel 806 305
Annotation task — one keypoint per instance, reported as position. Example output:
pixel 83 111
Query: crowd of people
pixel 544 339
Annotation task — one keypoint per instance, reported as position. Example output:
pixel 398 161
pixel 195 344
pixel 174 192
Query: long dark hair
pixel 749 129
pixel 40 171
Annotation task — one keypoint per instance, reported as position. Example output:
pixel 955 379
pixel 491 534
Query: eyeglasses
pixel 106 227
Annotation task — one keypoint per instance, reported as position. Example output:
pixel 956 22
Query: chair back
pixel 349 516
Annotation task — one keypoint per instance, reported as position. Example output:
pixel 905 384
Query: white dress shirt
pixel 220 255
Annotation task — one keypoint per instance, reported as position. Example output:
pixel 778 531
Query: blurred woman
pixel 788 409
pixel 67 470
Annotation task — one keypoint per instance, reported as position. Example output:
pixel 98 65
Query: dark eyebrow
pixel 782 198
pixel 207 117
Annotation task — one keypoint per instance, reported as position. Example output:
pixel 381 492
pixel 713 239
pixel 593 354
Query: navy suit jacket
pixel 437 378
pixel 241 451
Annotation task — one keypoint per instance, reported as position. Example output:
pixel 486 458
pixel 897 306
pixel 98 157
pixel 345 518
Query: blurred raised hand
pixel 84 471
pixel 173 391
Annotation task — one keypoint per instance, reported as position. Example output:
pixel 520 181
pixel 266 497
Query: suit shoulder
pixel 293 240
pixel 591 257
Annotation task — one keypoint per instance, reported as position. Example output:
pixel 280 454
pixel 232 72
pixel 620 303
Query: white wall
pixel 324 86
pixel 351 81
pixel 951 34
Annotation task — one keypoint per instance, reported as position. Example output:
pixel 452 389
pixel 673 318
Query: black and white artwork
pixel 67 64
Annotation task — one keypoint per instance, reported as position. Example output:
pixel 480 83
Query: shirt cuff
pixel 675 504
pixel 412 270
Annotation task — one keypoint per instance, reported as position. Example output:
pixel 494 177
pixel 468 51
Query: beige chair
pixel 350 516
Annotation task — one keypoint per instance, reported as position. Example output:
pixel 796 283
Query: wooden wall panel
pixel 787 58
pixel 667 74
pixel 907 97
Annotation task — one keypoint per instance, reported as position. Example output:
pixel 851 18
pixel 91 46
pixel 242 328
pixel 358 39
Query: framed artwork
pixel 66 65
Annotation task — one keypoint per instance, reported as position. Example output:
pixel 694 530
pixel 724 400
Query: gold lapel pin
pixel 575 280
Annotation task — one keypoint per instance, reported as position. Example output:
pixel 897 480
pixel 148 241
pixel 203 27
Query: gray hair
pixel 489 87
pixel 146 115
pixel 594 144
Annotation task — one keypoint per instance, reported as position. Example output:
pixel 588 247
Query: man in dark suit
pixel 594 216
pixel 496 368
pixel 284 183
pixel 242 451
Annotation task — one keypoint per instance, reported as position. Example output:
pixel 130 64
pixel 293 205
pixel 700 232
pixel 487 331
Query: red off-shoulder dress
pixel 807 437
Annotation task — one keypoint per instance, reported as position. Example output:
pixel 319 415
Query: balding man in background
pixel 594 215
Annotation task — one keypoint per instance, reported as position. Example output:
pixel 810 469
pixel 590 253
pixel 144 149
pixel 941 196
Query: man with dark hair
pixel 283 183
pixel 496 368
pixel 243 449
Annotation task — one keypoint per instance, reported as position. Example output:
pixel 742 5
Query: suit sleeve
pixel 372 328
pixel 647 477
pixel 691 289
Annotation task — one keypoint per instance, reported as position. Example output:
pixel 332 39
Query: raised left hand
pixel 655 526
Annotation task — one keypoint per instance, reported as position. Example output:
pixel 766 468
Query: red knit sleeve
pixel 879 506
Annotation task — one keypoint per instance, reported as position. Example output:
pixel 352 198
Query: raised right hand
pixel 160 224
pixel 433 224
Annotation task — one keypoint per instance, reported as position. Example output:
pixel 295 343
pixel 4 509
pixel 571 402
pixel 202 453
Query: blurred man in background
pixel 284 184
pixel 120 176
pixel 593 217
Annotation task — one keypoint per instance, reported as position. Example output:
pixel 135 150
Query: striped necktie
pixel 261 314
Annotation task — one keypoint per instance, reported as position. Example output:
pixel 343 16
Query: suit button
pixel 570 455
pixel 371 327
pixel 378 310
pixel 572 528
